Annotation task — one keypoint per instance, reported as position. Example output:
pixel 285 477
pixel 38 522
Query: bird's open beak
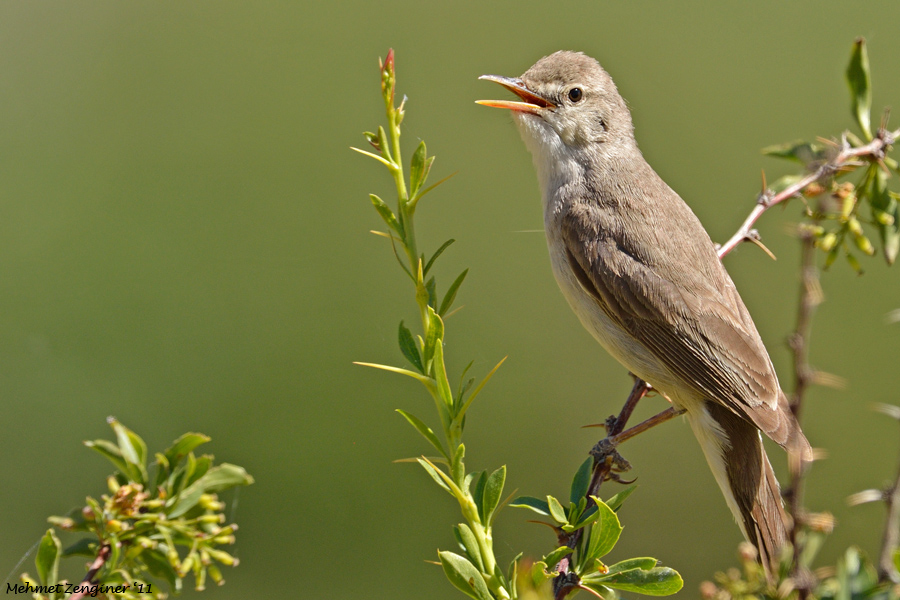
pixel 532 103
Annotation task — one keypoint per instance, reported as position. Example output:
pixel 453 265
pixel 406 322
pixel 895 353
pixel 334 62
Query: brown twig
pixel 88 581
pixel 804 375
pixel 766 200
pixel 887 570
pixel 614 426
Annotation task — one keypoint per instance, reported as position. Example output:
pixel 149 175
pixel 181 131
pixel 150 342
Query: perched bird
pixel 643 276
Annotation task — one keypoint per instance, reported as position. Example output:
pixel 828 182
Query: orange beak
pixel 531 102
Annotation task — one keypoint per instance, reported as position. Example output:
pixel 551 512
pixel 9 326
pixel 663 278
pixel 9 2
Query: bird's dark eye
pixel 575 94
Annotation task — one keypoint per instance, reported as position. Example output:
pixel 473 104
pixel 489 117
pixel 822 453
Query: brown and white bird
pixel 643 276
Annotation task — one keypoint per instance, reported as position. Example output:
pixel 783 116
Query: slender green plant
pixel 146 531
pixel 476 571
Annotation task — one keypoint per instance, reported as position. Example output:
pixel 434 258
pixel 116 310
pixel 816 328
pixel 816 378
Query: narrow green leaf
pixel 111 452
pixel 860 86
pixel 401 261
pixel 200 467
pixel 183 446
pixel 431 187
pixel 478 494
pixel 435 474
pixel 470 477
pixel 493 490
pixel 375 156
pixel 886 204
pixel 576 511
pixel 556 510
pixel 83 547
pixel 440 375
pixel 581 481
pixel 557 555
pixel 431 288
pixel 605 532
pixel 425 431
pixel 47 559
pixel 133 449
pixel 450 296
pixel 434 256
pixel 427 381
pixel 464 576
pixel 409 349
pixel 512 573
pixel 658 581
pixel 615 502
pixel 457 465
pixel 417 172
pixel 219 478
pixel 467 540
pixel 435 332
pixel 428 162
pixel 478 389
pixel 462 388
pixel 387 215
pixel 799 151
pixel 589 516
pixel 539 506
pixel 644 563
pixel 385 147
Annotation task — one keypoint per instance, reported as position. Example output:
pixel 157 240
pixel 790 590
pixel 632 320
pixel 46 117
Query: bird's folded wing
pixel 695 333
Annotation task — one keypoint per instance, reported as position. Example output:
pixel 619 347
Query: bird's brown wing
pixel 695 332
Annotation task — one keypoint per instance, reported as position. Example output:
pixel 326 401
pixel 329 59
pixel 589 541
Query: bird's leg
pixel 615 425
pixel 615 440
pixel 607 461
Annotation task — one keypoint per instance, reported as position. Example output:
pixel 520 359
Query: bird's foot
pixel 605 452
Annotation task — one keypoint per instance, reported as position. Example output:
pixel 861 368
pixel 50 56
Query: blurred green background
pixel 184 244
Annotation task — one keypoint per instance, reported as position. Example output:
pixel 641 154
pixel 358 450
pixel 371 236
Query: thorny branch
pixel 887 571
pixel 804 376
pixel 874 150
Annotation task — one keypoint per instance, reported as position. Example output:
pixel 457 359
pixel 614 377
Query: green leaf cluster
pixel 148 530
pixel 600 529
pixel 844 216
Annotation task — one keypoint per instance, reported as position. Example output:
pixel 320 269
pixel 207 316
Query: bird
pixel 644 278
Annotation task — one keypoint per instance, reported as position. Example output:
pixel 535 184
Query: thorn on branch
pixel 766 197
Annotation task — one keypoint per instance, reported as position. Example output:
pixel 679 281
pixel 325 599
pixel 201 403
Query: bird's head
pixel 566 98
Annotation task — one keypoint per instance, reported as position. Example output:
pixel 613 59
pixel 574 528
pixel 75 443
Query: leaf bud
pixel 827 241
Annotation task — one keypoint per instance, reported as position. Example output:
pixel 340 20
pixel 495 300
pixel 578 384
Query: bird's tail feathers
pixel 734 451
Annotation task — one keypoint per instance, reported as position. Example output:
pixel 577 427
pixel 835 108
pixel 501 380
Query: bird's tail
pixel 734 451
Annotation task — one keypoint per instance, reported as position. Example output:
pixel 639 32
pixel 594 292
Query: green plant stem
pixel 450 410
pixel 485 541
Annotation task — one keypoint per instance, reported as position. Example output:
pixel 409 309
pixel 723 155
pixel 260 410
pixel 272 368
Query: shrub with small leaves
pixel 844 216
pixel 146 530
